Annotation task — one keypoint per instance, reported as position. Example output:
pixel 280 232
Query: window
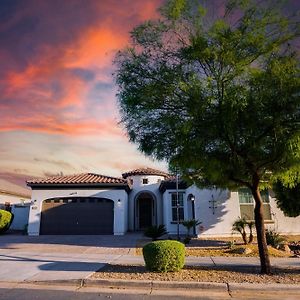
pixel 247 204
pixel 145 180
pixel 174 206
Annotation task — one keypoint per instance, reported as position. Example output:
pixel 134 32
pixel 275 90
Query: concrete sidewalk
pixel 71 260
pixel 36 266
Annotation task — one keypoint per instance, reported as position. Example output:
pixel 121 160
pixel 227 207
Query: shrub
pixel 273 238
pixel 6 219
pixel 164 256
pixel 155 232
pixel 189 224
pixel 240 226
pixel 186 240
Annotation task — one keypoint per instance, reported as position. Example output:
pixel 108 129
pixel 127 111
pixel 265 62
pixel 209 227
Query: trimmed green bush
pixel 164 256
pixel 6 219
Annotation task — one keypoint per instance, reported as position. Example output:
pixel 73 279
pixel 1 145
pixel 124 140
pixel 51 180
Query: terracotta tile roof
pixel 145 171
pixel 86 178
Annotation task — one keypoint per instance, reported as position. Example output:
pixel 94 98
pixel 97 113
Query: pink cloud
pixel 43 93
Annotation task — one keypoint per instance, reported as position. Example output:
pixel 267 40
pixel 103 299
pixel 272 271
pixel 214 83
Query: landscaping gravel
pixel 201 274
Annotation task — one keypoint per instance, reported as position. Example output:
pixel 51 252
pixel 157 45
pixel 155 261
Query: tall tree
pixel 216 92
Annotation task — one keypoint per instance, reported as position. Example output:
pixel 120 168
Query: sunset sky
pixel 58 109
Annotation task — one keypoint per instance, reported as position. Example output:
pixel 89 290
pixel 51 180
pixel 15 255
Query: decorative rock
pixel 244 251
pixel 285 248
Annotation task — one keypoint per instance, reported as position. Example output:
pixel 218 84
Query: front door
pixel 145 212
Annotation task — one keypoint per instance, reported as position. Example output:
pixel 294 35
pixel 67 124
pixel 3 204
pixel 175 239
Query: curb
pixel 177 285
pixel 155 284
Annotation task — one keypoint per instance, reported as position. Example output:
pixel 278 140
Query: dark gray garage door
pixel 77 216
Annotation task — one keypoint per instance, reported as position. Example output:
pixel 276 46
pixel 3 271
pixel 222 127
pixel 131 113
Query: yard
pixel 225 247
pixel 214 273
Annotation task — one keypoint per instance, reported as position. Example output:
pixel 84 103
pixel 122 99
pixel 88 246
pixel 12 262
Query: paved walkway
pixel 24 258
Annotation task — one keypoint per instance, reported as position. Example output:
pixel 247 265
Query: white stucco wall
pixel 228 210
pixel 19 207
pixel 21 214
pixel 120 207
pixel 138 187
pixel 217 221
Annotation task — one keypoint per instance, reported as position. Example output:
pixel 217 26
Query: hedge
pixel 164 256
pixel 6 219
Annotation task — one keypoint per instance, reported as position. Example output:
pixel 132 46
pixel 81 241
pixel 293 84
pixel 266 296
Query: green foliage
pixel 240 226
pixel 155 232
pixel 231 244
pixel 6 219
pixel 164 256
pixel 218 98
pixel 189 224
pixel 186 240
pixel 273 238
pixel 288 198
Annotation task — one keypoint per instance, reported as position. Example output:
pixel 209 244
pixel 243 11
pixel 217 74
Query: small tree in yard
pixel 189 224
pixel 240 226
pixel 218 97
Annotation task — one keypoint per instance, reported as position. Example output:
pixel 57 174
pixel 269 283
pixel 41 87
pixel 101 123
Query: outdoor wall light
pixel 191 197
pixel 119 200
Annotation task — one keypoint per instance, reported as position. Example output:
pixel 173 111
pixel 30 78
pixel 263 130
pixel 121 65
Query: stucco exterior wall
pixel 120 207
pixel 21 214
pixel 227 210
pixel 153 188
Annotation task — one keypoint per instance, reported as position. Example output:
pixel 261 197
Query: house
pixel 17 200
pixel 96 204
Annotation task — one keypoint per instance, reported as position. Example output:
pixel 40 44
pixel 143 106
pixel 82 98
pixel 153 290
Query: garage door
pixel 77 216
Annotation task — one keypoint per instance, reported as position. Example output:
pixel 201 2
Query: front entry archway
pixel 145 211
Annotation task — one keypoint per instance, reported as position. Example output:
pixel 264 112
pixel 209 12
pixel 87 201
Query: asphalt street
pixel 38 292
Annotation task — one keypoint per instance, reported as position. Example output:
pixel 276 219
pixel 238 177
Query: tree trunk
pixel 260 230
pixel 244 236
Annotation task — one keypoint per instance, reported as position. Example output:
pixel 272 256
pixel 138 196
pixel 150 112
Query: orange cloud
pixel 48 97
pixel 51 125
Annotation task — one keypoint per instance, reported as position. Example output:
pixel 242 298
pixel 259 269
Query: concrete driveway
pixel 27 258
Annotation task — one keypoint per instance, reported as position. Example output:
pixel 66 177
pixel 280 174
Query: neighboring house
pixel 17 200
pixel 96 204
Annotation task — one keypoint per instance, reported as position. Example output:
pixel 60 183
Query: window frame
pixel 173 198
pixel 245 195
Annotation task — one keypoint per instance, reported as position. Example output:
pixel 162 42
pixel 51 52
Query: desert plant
pixel 6 219
pixel 186 240
pixel 155 232
pixel 231 244
pixel 273 238
pixel 240 226
pixel 189 224
pixel 164 256
pixel 251 226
